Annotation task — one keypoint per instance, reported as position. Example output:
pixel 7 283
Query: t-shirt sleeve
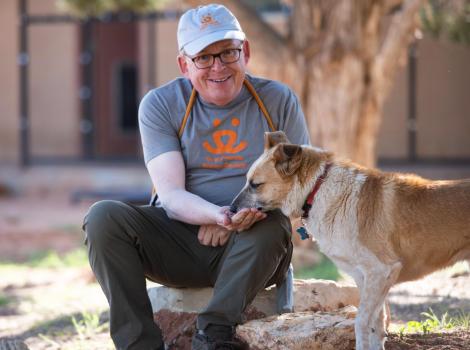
pixel 293 121
pixel 157 130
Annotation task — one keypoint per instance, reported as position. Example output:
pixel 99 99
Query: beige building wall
pixel 166 50
pixel 9 108
pixel 43 7
pixel 443 100
pixel 54 84
pixel 143 56
pixel 442 105
pixel 392 139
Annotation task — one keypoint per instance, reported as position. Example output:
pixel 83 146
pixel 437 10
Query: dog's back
pixel 424 224
pixel 432 226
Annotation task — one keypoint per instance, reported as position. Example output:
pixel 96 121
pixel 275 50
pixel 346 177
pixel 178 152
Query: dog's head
pixel 280 170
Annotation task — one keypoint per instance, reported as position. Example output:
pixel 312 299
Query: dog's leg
pixel 371 300
pixel 383 320
pixel 377 283
pixel 361 333
pixel 378 334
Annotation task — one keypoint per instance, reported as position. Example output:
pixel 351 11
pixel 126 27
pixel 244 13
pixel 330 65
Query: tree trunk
pixel 340 57
pixel 351 71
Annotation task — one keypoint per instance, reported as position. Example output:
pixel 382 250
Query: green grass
pixel 75 258
pixel 4 300
pixel 432 323
pixel 80 331
pixel 323 270
pixel 52 259
pixel 89 324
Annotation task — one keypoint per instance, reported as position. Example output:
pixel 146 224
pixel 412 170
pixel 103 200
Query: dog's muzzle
pixel 233 209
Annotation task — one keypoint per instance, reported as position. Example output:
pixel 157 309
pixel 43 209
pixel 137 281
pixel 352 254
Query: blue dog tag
pixel 303 233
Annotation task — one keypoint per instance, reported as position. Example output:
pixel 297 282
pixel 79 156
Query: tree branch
pixel 396 40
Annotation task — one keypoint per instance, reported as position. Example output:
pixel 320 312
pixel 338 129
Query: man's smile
pixel 219 80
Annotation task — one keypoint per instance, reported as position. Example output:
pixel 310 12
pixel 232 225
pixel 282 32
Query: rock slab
pixel 302 330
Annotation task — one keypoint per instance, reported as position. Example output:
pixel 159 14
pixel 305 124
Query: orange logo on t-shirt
pixel 224 142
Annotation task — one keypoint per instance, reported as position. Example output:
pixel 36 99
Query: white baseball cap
pixel 205 25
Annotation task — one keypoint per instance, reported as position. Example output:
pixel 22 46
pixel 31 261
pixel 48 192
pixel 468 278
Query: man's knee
pixel 100 219
pixel 270 247
pixel 272 233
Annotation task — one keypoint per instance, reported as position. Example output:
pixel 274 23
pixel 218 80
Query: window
pixel 127 97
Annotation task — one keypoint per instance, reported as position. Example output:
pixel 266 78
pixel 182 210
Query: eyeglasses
pixel 207 60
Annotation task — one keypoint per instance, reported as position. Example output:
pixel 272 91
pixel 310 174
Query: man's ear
pixel 287 159
pixel 271 139
pixel 246 51
pixel 183 65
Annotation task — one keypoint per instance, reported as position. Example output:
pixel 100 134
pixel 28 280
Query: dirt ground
pixel 43 302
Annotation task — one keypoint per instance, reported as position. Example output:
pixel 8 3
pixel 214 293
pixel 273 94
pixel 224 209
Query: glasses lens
pixel 203 61
pixel 230 55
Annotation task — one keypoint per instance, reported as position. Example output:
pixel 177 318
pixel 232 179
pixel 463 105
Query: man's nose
pixel 218 64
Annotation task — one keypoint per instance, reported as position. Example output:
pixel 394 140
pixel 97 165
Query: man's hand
pixel 213 235
pixel 242 220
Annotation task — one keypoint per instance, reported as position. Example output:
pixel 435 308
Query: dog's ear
pixel 271 139
pixel 287 159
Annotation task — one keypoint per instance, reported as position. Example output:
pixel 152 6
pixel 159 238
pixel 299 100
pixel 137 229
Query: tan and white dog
pixel 381 228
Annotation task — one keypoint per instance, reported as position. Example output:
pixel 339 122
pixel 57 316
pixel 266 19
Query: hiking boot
pixel 217 337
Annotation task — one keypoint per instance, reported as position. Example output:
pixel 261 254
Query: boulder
pixel 302 330
pixel 323 295
pixel 175 310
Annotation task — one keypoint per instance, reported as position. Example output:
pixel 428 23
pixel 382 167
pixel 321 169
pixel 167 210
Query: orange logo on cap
pixel 207 20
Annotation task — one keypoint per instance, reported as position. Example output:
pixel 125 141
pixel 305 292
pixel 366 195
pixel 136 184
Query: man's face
pixel 222 82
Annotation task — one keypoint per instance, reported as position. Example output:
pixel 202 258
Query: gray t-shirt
pixel 218 144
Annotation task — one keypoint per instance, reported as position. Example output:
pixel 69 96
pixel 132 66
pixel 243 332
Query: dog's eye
pixel 255 185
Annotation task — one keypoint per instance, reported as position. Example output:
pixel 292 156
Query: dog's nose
pixel 233 208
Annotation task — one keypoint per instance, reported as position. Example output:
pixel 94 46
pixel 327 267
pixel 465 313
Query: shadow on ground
pixel 68 326
pixel 454 307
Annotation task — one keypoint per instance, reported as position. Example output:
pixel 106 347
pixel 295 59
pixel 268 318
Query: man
pixel 200 134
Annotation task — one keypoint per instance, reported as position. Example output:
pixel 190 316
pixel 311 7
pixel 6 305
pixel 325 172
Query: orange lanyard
pixel 250 88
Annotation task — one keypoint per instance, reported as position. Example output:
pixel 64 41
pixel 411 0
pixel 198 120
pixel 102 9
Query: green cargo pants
pixel 127 243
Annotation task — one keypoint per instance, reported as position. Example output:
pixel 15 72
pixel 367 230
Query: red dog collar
pixel 309 201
